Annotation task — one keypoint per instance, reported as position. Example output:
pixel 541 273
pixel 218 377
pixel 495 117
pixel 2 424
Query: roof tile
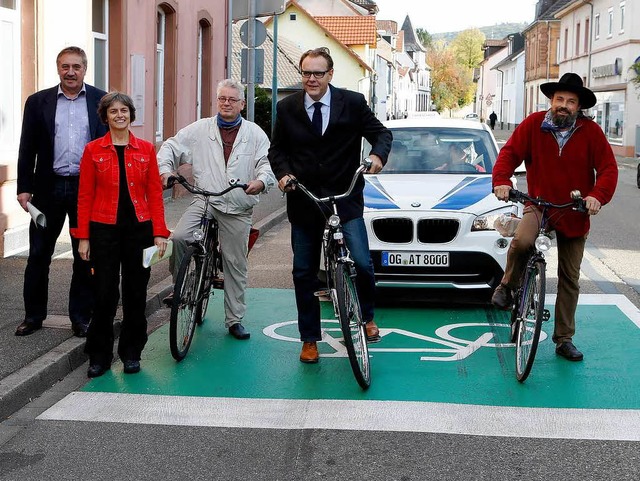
pixel 353 30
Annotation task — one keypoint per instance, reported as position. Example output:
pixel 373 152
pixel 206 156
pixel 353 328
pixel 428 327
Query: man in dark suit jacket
pixel 317 138
pixel 57 124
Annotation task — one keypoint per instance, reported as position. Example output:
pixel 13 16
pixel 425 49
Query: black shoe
pixel 569 351
pixel 239 332
pixel 28 327
pixel 131 366
pixel 80 330
pixel 502 298
pixel 97 370
pixel 168 300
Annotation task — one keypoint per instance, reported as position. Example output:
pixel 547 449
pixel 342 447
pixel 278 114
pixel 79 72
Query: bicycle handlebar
pixel 578 203
pixel 233 184
pixel 364 166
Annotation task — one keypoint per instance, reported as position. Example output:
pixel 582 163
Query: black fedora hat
pixel 570 82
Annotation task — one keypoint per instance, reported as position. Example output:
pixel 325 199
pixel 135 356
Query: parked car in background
pixel 430 212
pixel 472 116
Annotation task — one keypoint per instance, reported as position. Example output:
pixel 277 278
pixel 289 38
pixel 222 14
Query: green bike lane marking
pixel 436 370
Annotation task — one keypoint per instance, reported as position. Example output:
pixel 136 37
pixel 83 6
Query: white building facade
pixel 509 104
pixel 600 41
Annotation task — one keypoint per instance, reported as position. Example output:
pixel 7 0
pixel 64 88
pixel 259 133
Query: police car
pixel 430 212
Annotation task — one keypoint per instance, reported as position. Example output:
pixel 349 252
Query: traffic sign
pixel 240 8
pixel 260 34
pixel 259 66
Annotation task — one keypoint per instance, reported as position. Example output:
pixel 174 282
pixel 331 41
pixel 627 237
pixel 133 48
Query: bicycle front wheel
pixel 209 272
pixel 185 310
pixel 352 325
pixel 530 318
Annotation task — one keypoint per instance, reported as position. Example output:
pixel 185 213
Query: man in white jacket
pixel 220 149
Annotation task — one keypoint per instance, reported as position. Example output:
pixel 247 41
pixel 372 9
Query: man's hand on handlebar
pixel 592 204
pixel 165 178
pixel 376 164
pixel 502 192
pixel 254 187
pixel 285 184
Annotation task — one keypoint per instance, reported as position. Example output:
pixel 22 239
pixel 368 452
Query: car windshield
pixel 440 150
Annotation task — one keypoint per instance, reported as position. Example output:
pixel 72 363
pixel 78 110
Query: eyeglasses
pixel 307 74
pixel 231 100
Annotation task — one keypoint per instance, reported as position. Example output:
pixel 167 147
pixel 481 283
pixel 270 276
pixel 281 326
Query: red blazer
pixel 99 184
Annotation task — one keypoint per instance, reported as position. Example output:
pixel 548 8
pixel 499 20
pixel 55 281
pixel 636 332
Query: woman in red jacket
pixel 120 213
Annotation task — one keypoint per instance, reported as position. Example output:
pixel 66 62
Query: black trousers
pixel 56 205
pixel 113 247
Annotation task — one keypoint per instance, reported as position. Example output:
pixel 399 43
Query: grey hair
pixel 229 83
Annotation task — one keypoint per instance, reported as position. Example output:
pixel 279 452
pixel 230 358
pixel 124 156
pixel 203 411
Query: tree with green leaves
pixel 425 38
pixel 635 74
pixel 467 48
pixel 452 84
pixel 261 110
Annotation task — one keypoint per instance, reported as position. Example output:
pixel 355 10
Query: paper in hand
pixel 38 217
pixel 150 254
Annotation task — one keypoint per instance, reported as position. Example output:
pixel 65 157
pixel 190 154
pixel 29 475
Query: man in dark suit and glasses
pixel 317 138
pixel 57 124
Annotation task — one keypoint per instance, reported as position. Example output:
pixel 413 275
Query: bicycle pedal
pixel 546 315
pixel 323 294
pixel 217 283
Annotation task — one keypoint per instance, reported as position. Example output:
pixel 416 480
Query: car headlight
pixel 485 221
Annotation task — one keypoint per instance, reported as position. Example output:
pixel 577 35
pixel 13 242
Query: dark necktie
pixel 316 120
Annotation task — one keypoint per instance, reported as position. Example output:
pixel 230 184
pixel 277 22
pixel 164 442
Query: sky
pixel 437 16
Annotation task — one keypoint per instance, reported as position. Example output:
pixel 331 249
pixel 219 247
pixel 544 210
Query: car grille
pixel 394 230
pixel 437 231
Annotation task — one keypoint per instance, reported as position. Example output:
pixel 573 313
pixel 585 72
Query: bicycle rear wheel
pixel 352 325
pixel 187 302
pixel 530 318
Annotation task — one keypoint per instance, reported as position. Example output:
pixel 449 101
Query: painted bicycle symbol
pixel 453 347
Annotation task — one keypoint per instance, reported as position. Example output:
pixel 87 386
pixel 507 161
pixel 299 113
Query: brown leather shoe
pixel 309 353
pixel 373 333
pixel 502 298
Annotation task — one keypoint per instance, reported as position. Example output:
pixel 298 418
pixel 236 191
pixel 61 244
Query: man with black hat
pixel 563 150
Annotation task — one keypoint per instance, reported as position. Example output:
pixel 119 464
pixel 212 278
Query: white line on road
pixel 595 424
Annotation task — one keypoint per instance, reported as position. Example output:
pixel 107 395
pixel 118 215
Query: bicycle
pixel 341 275
pixel 199 267
pixel 528 312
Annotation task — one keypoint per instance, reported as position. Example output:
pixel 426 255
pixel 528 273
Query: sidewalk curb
pixel 30 381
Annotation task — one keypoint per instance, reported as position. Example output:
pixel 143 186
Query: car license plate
pixel 415 259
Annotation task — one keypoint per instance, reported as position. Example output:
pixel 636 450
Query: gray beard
pixel 563 122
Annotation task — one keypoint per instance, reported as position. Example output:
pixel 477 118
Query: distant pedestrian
pixel 57 124
pixel 120 213
pixel 492 120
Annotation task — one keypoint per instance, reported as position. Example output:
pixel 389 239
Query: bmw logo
pixel 415 204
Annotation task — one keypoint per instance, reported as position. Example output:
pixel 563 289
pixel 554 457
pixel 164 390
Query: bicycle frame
pixel 528 312
pixel 341 276
pixel 195 274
